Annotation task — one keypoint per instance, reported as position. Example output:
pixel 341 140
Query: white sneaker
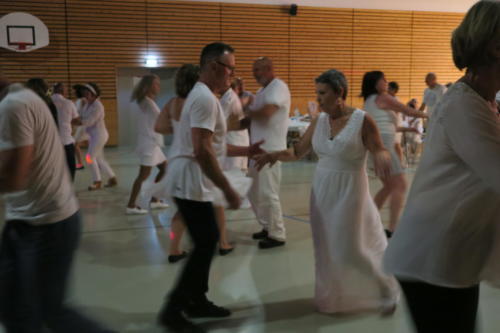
pixel 136 211
pixel 158 205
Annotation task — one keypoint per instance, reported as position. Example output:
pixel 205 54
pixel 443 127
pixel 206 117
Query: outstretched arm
pixel 387 102
pixel 291 154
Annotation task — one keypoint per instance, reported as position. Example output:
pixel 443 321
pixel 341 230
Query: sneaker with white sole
pixel 159 205
pixel 136 211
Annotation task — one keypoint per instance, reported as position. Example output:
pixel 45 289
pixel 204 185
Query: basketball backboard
pixel 22 32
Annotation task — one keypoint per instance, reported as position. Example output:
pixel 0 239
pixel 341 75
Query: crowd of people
pixel 228 146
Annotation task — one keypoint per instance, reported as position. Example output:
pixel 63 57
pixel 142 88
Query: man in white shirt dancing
pixel 432 94
pixel 269 122
pixel 194 172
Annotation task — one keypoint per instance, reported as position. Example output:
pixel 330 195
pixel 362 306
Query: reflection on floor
pixel 122 274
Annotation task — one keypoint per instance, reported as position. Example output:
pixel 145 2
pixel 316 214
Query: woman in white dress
pixel 93 120
pixel 168 123
pixel 348 236
pixel 149 143
pixel 233 111
pixel 383 107
pixel 448 240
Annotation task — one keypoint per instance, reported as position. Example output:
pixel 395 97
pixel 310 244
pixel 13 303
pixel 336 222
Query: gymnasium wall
pixel 91 38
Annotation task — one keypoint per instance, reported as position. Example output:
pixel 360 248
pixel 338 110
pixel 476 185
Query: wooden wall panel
pixel 381 41
pixel 177 31
pixel 431 49
pixel 255 31
pixel 103 35
pixel 91 38
pixel 49 62
pixel 320 39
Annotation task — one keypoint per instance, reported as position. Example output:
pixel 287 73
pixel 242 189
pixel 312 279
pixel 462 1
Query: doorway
pixel 126 79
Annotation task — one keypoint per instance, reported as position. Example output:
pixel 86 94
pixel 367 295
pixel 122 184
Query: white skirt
pixel 151 158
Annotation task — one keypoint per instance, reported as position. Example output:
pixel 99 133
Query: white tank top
pixel 386 119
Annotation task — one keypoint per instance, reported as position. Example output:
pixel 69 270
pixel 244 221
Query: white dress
pixel 231 104
pixel 149 142
pixel 349 239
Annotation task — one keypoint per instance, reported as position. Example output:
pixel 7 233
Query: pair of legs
pixel 441 309
pixel 144 172
pixel 189 293
pixel 95 158
pixel 177 230
pixel 395 187
pixel 70 159
pixel 35 264
pixel 265 200
pixel 78 155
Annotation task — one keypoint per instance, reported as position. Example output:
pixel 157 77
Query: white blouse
pixel 449 234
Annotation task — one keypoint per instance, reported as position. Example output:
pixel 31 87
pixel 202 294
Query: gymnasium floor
pixel 121 273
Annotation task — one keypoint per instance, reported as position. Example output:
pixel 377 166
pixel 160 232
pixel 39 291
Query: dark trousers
pixel 441 309
pixel 201 224
pixel 70 159
pixel 35 263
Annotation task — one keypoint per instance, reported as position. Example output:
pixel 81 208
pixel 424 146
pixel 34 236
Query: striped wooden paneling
pixel 320 39
pixel 91 38
pixel 381 41
pixel 431 49
pixel 177 31
pixel 255 31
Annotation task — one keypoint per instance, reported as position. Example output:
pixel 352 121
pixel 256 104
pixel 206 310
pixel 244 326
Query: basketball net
pixel 21 46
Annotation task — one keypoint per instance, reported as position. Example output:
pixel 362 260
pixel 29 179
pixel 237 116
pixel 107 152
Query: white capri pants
pixel 96 160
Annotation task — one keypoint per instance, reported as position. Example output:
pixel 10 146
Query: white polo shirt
pixel 186 180
pixel 273 130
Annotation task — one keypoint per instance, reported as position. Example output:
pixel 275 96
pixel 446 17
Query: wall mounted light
pixel 151 61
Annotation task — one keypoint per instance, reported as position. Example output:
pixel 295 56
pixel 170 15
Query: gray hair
pixel 470 40
pixel 336 80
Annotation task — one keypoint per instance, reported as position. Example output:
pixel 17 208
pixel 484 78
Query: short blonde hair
pixel 480 26
pixel 143 87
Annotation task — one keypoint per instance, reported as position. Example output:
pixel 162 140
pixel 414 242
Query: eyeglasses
pixel 231 68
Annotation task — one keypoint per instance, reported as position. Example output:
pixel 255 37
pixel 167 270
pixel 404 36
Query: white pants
pixel 265 200
pixel 95 158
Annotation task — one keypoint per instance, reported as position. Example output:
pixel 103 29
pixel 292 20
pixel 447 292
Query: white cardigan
pixel 449 234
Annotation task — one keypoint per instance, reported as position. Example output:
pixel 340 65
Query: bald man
pixel 432 94
pixel 269 121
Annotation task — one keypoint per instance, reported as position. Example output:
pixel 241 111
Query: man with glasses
pixel 194 172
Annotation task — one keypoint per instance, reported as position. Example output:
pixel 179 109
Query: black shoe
pixel 178 324
pixel 260 235
pixel 388 233
pixel 205 308
pixel 269 243
pixel 175 258
pixel 224 252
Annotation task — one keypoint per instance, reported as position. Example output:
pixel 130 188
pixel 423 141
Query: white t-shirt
pixel 147 138
pixel 66 111
pixel 273 130
pixel 201 110
pixel 432 96
pixel 49 197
